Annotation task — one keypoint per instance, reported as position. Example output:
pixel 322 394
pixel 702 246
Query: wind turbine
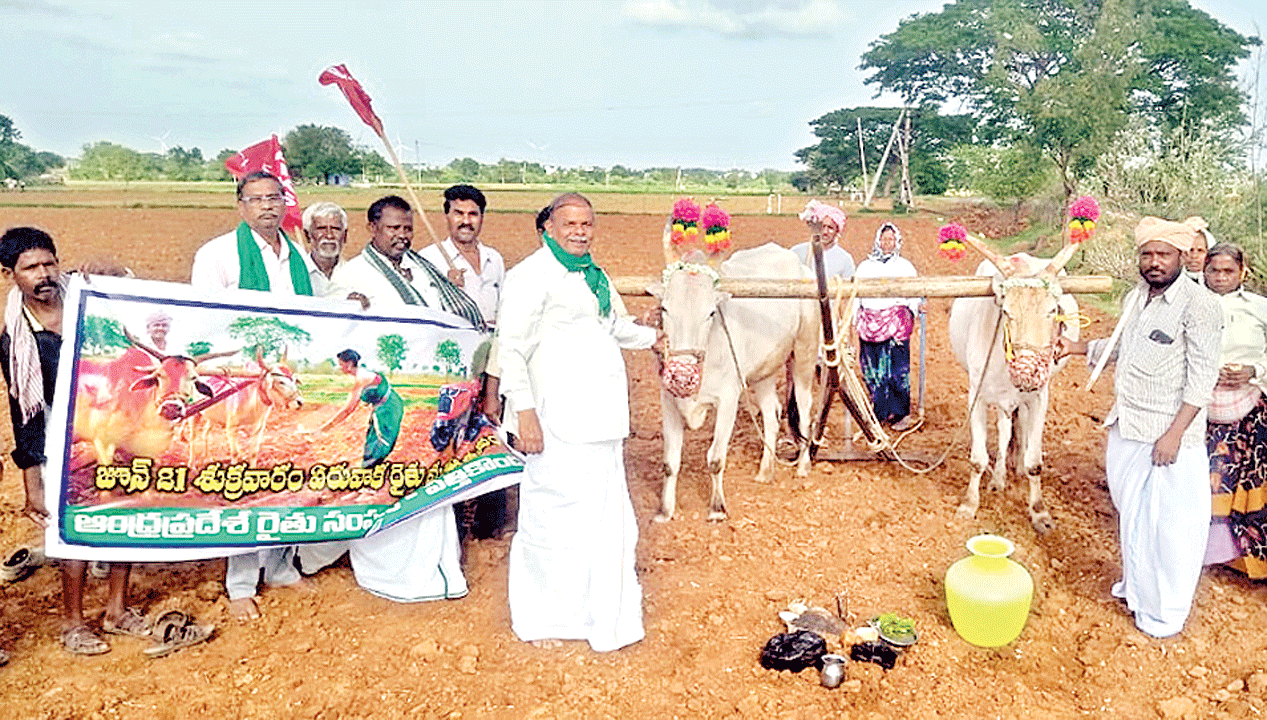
pixel 162 141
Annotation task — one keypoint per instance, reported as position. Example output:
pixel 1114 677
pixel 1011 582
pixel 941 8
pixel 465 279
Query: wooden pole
pixel 435 240
pixel 928 286
pixel 862 155
pixel 884 159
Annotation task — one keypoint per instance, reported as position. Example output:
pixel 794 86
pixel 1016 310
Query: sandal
pixel 176 630
pixel 131 622
pixel 21 564
pixel 81 640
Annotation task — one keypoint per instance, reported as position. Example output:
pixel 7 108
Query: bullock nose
pixel 172 410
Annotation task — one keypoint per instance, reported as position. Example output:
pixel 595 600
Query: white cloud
pixel 741 18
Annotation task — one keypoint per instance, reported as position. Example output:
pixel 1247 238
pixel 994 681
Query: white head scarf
pixel 879 255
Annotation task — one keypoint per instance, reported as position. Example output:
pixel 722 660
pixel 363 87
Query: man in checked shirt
pixel 1155 463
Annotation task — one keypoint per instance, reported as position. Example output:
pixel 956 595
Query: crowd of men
pixel 559 326
pixel 572 572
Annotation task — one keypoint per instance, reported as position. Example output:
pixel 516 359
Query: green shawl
pixel 251 272
pixel 595 278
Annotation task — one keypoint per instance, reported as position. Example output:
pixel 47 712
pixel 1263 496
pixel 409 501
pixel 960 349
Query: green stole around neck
pixel 251 272
pixel 594 276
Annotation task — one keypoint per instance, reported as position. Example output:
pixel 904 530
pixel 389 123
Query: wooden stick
pixel 435 240
pixel 935 286
pixel 1131 302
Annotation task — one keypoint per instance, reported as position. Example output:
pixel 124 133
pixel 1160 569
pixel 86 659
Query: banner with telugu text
pixel 201 436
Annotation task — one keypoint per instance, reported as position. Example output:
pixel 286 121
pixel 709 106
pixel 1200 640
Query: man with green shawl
pixel 562 326
pixel 256 255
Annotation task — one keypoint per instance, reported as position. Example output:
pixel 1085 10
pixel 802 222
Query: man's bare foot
pixel 244 609
pixel 546 644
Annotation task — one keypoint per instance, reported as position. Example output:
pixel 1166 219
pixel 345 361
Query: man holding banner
pixel 562 327
pixel 257 255
pixel 418 559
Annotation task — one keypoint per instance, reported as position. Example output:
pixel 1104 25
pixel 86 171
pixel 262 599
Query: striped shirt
pixel 1167 356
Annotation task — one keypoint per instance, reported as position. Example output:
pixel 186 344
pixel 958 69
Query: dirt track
pixel 874 532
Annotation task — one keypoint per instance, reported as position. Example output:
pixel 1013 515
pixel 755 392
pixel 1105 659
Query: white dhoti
pixel 572 559
pixel 414 560
pixel 1163 521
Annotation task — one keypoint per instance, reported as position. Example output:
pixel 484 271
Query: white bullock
pixel 717 345
pixel 1009 360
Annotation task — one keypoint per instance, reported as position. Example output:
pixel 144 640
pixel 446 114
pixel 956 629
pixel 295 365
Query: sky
pixel 641 83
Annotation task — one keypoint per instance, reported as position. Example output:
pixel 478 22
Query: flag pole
pixel 409 188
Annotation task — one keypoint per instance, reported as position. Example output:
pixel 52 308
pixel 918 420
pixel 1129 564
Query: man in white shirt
pixel 562 328
pixel 257 255
pixel 326 231
pixel 389 273
pixel 477 268
pixel 417 559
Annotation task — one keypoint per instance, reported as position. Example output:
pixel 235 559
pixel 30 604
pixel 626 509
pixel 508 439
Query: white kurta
pixel 417 559
pixel 216 264
pixel 358 275
pixel 572 559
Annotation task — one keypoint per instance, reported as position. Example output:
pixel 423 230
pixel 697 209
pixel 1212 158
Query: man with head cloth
pixel 562 326
pixel 1155 462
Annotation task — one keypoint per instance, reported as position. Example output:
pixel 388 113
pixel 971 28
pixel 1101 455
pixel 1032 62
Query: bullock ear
pixel 148 381
pixel 656 289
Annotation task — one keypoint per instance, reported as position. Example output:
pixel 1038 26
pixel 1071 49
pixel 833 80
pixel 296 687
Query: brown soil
pixel 873 532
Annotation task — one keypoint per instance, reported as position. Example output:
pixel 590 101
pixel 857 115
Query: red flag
pixel 356 95
pixel 267 156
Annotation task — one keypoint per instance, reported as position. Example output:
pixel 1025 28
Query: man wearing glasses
pixel 257 255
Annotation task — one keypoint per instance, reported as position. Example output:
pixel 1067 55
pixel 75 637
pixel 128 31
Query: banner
pixel 207 439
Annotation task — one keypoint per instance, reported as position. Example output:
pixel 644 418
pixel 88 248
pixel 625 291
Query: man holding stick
pixel 1155 462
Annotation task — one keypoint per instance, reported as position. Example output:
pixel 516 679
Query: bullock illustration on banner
pixel 309 416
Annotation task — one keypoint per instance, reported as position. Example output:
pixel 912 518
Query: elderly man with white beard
pixel 325 231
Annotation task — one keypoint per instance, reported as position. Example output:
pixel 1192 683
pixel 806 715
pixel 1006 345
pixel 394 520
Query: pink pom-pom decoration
pixel 686 210
pixel 952 231
pixel 716 224
pixel 1084 208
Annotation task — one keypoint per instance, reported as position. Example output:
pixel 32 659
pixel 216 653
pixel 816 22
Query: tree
pixel 315 152
pixel 1061 74
pixel 268 332
pixel 834 160
pixel 19 161
pixel 449 354
pixel 198 347
pixel 100 335
pixel 109 161
pixel 373 165
pixel 182 164
pixel 391 351
pixel 1009 174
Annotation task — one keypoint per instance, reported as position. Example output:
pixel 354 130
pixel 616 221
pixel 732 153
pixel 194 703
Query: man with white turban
pixel 1156 463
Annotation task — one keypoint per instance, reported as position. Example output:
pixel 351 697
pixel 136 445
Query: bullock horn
pixel 999 261
pixel 1061 259
pixel 285 352
pixel 669 256
pixel 151 351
